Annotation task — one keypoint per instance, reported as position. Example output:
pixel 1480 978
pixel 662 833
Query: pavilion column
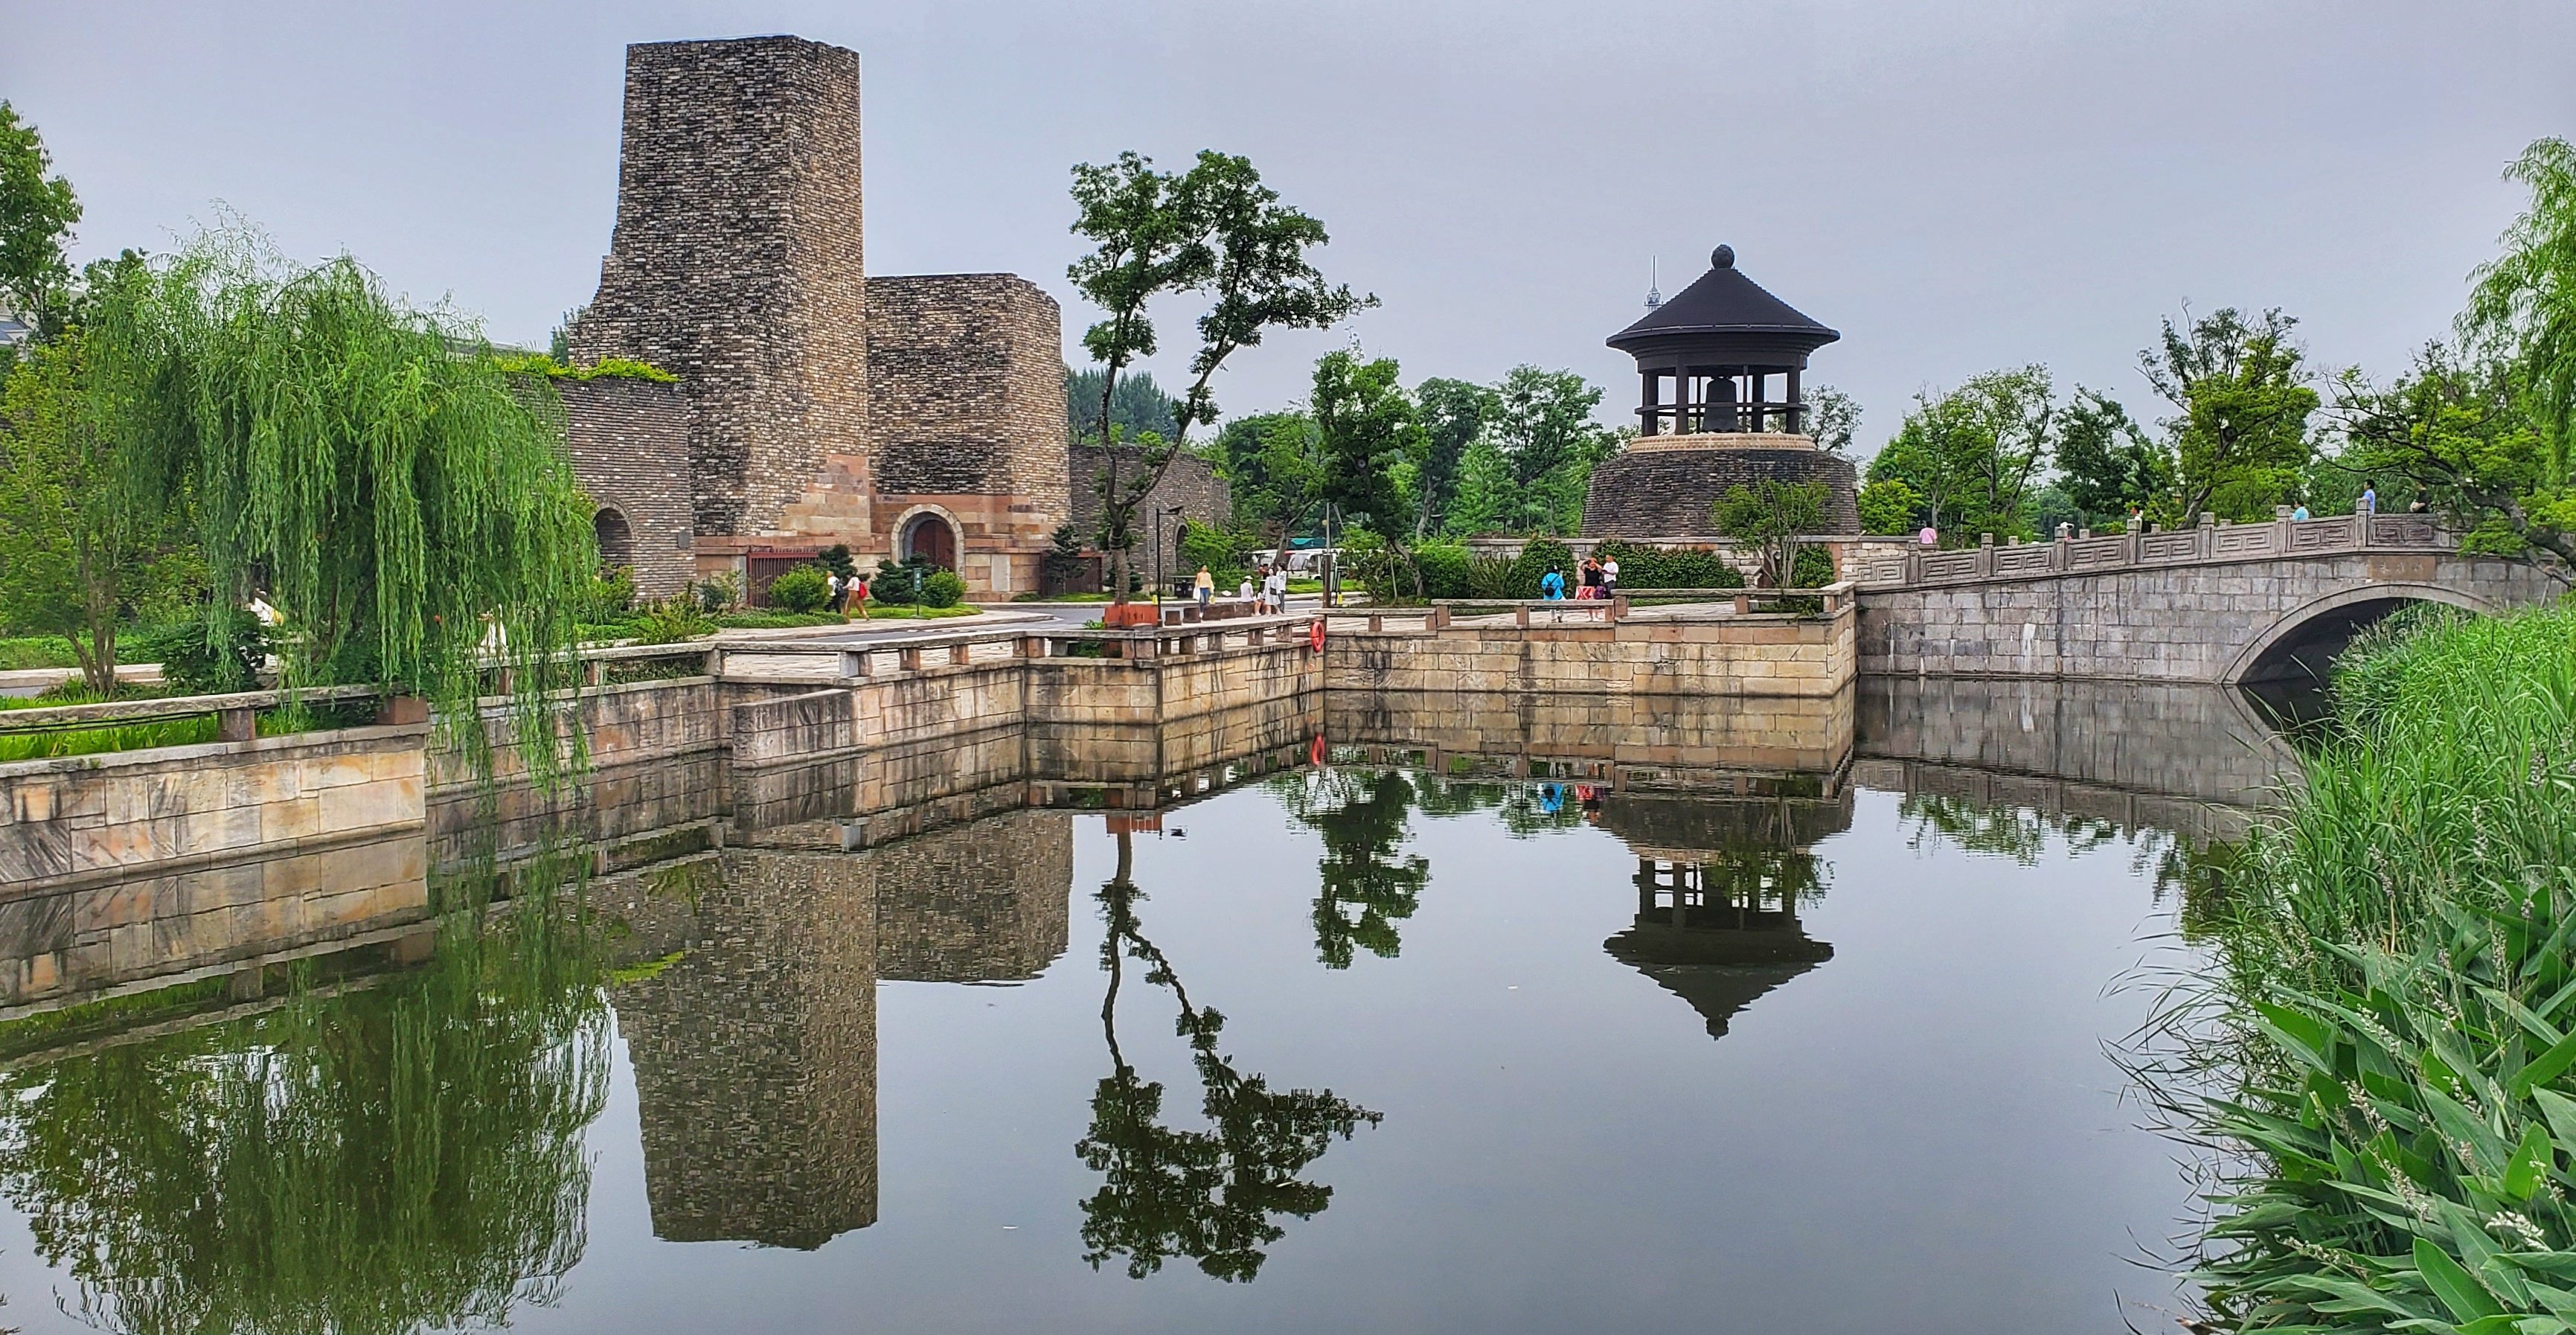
pixel 1797 415
pixel 1651 396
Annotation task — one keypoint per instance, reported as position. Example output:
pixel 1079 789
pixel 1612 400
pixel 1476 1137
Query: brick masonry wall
pixel 986 903
pixel 630 448
pixel 737 263
pixel 966 388
pixel 1191 483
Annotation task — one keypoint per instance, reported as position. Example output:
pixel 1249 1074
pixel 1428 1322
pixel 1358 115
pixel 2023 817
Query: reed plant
pixel 2395 1015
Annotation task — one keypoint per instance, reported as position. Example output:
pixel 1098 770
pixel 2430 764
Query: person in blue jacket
pixel 1551 585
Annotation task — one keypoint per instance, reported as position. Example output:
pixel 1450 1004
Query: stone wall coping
pixel 329 741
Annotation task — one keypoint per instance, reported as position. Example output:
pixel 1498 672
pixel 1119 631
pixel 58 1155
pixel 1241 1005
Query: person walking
pixel 1929 537
pixel 858 597
pixel 1551 585
pixel 839 602
pixel 1205 587
pixel 2300 515
pixel 2369 499
pixel 1244 594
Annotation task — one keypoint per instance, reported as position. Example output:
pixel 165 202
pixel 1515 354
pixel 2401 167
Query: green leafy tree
pixel 1215 230
pixel 1832 418
pixel 1368 886
pixel 1273 464
pixel 2106 463
pixel 410 509
pixel 1485 491
pixel 1889 506
pixel 1775 517
pixel 93 510
pixel 2240 434
pixel 2523 307
pixel 1973 453
pixel 1209 1195
pixel 1136 406
pixel 1454 414
pixel 1543 426
pixel 1369 428
pixel 36 217
pixel 2466 438
pixel 367 1161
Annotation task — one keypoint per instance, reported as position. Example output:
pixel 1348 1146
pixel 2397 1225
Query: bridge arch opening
pixel 2302 646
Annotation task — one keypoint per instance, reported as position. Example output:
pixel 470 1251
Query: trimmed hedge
pixel 1656 568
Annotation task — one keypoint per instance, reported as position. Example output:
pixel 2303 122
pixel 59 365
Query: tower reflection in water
pixel 747 998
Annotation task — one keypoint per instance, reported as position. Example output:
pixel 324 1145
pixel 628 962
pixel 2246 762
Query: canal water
pixel 1407 1040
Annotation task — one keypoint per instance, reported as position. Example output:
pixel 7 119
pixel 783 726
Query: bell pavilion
pixel 1718 367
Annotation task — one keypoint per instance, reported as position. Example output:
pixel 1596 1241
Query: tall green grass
pixel 2397 1005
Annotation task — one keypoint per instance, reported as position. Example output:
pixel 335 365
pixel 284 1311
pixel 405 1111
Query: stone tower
pixel 736 264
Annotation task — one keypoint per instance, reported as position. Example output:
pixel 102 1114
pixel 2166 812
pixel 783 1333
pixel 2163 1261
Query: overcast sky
pixel 1953 186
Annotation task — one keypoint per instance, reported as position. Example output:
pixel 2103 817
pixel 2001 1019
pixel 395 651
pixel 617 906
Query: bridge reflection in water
pixel 738 925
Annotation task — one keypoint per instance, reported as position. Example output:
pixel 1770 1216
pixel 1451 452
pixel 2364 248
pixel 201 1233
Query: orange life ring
pixel 1315 635
pixel 1315 753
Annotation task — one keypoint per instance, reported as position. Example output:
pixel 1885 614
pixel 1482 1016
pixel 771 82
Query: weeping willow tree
pixel 373 472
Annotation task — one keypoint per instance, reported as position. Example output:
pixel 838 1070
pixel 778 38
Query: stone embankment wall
pixel 1741 656
pixel 79 819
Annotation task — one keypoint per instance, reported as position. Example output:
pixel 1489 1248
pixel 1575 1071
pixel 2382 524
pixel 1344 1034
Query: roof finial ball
pixel 1722 258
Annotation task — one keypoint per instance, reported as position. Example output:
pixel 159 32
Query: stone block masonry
pixel 77 820
pixel 737 264
pixel 1724 656
pixel 2208 620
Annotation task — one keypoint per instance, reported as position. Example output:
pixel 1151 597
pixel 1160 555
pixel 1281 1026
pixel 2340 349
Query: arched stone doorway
pixel 930 537
pixel 616 540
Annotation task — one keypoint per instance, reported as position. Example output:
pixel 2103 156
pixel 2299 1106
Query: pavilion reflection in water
pixel 1721 804
pixel 1720 881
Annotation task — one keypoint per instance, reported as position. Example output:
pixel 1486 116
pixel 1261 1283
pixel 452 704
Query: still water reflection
pixel 1480 1025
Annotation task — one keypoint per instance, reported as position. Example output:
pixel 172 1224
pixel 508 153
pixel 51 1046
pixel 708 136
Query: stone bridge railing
pixel 2211 541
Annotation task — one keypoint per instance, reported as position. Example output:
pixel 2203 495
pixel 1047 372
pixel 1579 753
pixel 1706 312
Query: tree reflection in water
pixel 378 1159
pixel 1211 1194
pixel 2199 870
pixel 1367 886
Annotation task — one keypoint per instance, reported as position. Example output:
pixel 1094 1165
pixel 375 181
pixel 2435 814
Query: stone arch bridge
pixel 2227 603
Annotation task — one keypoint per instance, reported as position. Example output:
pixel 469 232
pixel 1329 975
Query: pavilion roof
pixel 1724 301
